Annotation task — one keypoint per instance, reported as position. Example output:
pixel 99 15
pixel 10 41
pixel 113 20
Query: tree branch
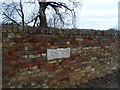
pixel 21 9
pixel 32 19
pixel 11 19
pixel 58 4
pixel 17 10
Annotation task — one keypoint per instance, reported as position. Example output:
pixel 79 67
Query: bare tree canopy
pixel 47 14
pixel 12 12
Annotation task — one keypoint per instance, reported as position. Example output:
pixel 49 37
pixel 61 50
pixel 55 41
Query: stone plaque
pixel 58 53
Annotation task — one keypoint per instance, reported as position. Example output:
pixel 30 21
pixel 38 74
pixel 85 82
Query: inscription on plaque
pixel 58 53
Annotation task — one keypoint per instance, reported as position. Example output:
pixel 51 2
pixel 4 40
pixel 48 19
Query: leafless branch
pixel 11 19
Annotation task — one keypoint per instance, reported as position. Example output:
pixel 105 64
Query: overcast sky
pixel 97 14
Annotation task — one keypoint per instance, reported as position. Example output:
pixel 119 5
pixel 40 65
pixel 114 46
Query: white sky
pixel 96 14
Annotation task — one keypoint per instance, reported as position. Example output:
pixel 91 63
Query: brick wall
pixel 25 63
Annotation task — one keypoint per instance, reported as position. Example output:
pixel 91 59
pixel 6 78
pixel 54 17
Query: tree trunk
pixel 22 14
pixel 42 16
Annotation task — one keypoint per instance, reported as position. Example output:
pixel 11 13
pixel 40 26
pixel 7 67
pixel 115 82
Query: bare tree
pixel 8 13
pixel 12 12
pixel 56 6
pixel 60 16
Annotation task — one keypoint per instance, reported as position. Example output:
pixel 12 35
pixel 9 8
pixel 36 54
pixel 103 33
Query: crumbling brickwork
pixel 25 64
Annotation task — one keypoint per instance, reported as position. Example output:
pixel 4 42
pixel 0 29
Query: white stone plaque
pixel 58 53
